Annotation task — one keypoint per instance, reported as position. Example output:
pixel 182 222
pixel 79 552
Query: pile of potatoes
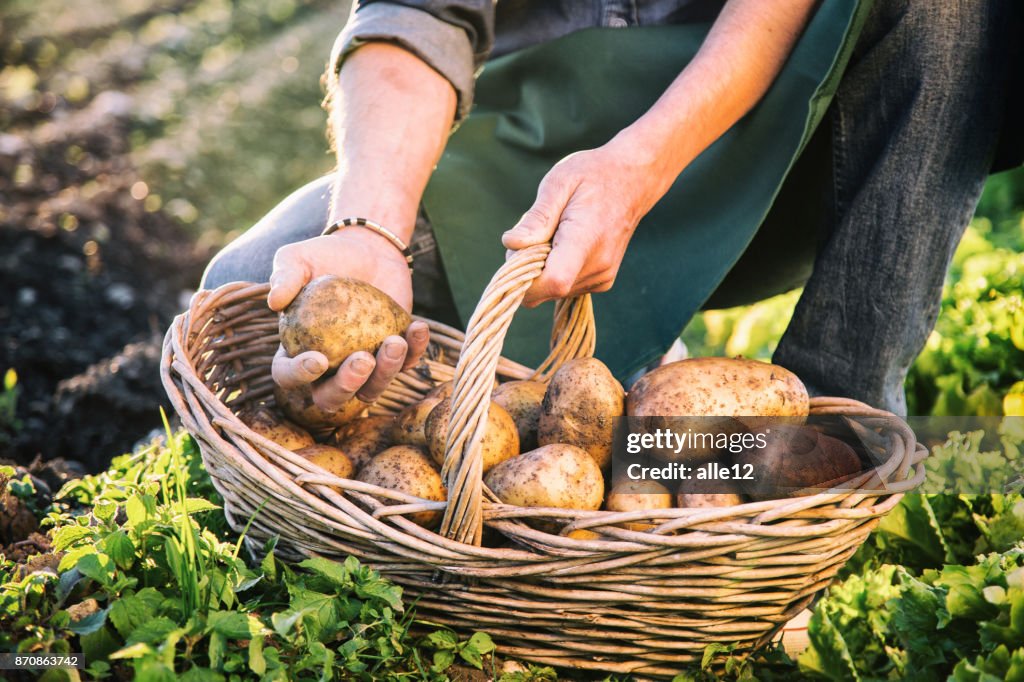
pixel 545 445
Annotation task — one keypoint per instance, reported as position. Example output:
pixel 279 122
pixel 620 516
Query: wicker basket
pixel 641 602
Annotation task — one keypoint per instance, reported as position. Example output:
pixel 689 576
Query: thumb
pixel 539 223
pixel 289 276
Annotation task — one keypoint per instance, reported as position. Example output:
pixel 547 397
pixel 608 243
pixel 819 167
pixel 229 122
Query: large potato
pixel 704 395
pixel 410 424
pixel 363 438
pixel 703 494
pixel 633 495
pixel 557 475
pixel 795 458
pixel 272 427
pixel 726 387
pixel 407 469
pixel 522 400
pixel 339 316
pixel 580 407
pixel 329 458
pixel 500 441
pixel 297 404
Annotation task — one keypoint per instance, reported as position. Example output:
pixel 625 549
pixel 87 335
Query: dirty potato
pixel 328 458
pixel 633 495
pixel 713 396
pixel 338 316
pixel 500 441
pixel 410 424
pixel 727 387
pixel 522 400
pixel 579 408
pixel 363 438
pixel 407 469
pixel 797 460
pixel 272 427
pixel 297 404
pixel 701 494
pixel 558 475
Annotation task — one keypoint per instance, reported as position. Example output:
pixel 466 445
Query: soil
pixel 135 139
pixel 91 279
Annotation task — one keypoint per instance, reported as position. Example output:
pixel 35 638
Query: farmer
pixel 692 153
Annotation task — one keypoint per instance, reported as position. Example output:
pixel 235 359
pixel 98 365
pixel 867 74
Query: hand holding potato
pixel 359 254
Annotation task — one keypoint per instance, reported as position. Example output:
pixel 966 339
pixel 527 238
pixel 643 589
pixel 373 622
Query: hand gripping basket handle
pixel 572 336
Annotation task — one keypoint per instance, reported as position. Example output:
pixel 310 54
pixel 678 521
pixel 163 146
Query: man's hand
pixel 588 206
pixel 361 254
pixel 390 115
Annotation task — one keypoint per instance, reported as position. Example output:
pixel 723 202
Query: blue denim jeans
pixel 914 128
pixel 911 133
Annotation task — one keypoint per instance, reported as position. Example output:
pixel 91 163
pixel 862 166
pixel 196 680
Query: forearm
pixel 390 117
pixel 740 58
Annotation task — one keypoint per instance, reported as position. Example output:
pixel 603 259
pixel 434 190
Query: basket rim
pixel 679 528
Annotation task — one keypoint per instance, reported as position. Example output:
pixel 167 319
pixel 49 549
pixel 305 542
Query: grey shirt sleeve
pixel 448 47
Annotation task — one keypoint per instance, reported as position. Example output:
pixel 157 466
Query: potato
pixel 580 407
pixel 685 395
pixel 633 495
pixel 297 404
pixel 269 425
pixel 410 424
pixel 328 458
pixel 500 441
pixel 727 387
pixel 441 391
pixel 703 493
pixel 407 469
pixel 338 316
pixel 557 475
pixel 584 534
pixel 522 400
pixel 364 438
pixel 795 458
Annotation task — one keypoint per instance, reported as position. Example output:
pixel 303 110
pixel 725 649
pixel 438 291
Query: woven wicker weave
pixel 630 601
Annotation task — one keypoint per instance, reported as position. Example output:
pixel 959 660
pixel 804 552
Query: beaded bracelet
pixel 376 227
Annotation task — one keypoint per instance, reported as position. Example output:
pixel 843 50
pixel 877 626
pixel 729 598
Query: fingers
pixel 289 276
pixel 304 368
pixel 417 336
pixel 333 393
pixel 539 223
pixel 360 373
pixel 562 269
pixel 390 359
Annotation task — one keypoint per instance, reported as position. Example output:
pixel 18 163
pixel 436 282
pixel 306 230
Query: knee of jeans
pixel 954 44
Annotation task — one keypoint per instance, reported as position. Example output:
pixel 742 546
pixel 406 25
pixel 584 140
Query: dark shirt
pixel 456 37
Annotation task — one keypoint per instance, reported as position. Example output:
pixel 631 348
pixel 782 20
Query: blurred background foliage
pixel 973 360
pixel 224 94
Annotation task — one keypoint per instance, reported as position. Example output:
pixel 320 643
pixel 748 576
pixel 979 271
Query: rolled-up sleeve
pixel 454 38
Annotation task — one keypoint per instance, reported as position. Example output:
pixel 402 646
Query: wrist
pixel 354 194
pixel 661 144
pixel 654 167
pixel 368 242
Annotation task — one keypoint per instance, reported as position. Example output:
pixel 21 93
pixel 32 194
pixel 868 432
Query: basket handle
pixel 572 336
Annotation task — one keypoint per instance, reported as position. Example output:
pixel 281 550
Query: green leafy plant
pixel 151 584
pixel 447 649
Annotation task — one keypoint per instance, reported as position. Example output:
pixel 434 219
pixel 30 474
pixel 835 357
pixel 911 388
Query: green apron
pixel 536 106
